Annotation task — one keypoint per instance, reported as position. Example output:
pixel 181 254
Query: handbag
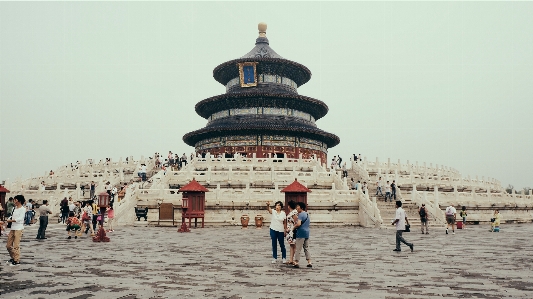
pixel 85 217
pixel 492 219
pixel 407 228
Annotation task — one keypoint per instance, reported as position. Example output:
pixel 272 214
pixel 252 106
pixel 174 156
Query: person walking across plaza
pixel 29 215
pixel 92 189
pixel 400 220
pixel 17 228
pixel 495 220
pixel 278 225
pixel 451 214
pixel 302 235
pixel 44 210
pixel 10 207
pixel 423 218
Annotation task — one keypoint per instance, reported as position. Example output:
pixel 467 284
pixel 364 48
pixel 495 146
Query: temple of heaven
pixel 261 112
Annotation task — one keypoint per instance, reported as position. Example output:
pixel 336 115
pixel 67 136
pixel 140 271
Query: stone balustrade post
pixel 488 192
pixel 530 191
pixel 78 191
pixel 399 165
pixel 388 163
pixel 374 204
pixel 414 193
pixel 58 188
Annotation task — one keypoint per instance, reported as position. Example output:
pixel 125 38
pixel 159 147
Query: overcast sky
pixel 449 83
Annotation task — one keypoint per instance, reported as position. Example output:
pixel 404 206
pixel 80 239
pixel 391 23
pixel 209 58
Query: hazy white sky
pixel 442 82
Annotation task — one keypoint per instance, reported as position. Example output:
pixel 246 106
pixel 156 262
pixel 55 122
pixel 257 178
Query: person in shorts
pixel 73 224
pixel 450 218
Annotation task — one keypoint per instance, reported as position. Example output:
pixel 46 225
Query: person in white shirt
pixel 387 192
pixel 400 221
pixel 450 218
pixel 278 227
pixel 17 226
pixel 143 172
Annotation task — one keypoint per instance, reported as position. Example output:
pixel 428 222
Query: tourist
pixel 28 216
pixel 278 225
pixel 184 160
pixel 355 158
pixel 365 188
pixel 292 218
pixel 302 235
pixel 110 219
pixel 450 218
pixel 42 186
pixel 17 227
pixel 495 221
pixel 64 209
pixel 122 192
pixel 92 190
pixel 332 165
pixel 353 184
pixel 393 189
pixel 94 207
pixel 71 205
pixel 73 224
pixel 339 161
pixel 44 210
pixel 86 218
pixel 358 185
pixel 51 174
pixel 344 170
pixel 107 188
pixel 423 218
pixel 387 192
pixel 378 185
pixel 400 220
pixel 463 215
pixel 10 207
pixel 170 158
pixel 143 172
pixel 77 209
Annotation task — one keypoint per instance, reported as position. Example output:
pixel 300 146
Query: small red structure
pixel 193 204
pixel 295 192
pixel 3 192
pixel 103 204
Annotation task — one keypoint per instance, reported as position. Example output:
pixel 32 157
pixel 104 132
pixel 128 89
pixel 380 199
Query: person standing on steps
pixel 378 185
pixel 393 189
pixel 44 210
pixel 353 185
pixel 423 218
pixel 387 192
pixel 400 221
pixel 93 188
pixel 450 218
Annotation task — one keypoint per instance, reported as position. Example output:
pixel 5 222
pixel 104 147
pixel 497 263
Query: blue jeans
pixel 278 237
pixel 28 217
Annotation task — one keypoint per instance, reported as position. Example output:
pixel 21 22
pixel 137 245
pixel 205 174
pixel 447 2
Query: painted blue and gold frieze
pixel 261 110
pixel 261 78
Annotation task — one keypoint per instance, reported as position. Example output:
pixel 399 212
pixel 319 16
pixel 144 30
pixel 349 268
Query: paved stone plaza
pixel 228 262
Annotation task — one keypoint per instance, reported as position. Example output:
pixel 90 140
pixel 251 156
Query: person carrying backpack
pixel 450 218
pixel 423 218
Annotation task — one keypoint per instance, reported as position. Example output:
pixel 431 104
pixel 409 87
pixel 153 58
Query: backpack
pixel 449 211
pixel 422 213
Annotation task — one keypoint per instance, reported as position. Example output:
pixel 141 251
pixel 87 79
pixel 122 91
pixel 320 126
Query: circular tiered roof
pixel 221 102
pixel 272 88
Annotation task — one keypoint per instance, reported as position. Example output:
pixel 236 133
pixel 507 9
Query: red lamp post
pixel 184 207
pixel 103 204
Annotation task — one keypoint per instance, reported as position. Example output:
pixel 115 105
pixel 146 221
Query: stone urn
pixel 244 221
pixel 259 221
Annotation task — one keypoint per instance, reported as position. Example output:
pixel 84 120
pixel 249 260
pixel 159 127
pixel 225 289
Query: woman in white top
pixel 278 226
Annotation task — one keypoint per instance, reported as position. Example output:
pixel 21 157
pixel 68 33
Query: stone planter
pixel 259 222
pixel 244 221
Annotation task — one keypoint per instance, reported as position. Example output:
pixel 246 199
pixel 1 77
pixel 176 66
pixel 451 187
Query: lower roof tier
pixel 209 106
pixel 261 125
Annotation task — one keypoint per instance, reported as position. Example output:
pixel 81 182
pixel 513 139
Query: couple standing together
pixel 294 227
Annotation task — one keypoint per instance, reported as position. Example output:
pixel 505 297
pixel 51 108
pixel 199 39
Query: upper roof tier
pixel 269 62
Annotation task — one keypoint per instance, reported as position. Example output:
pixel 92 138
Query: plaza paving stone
pixel 229 262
